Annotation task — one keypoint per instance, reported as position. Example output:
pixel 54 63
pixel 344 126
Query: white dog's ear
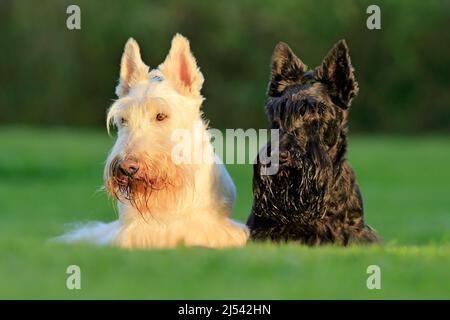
pixel 132 69
pixel 180 68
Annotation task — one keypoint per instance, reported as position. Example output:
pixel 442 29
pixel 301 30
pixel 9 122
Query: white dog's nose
pixel 129 167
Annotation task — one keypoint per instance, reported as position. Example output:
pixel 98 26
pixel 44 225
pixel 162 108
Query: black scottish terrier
pixel 313 198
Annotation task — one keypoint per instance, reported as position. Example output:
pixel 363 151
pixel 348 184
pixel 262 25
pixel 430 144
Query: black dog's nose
pixel 128 167
pixel 284 156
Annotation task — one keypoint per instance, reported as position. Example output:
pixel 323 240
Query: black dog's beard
pixel 296 193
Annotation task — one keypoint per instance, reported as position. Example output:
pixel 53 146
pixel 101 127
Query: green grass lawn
pixel 49 178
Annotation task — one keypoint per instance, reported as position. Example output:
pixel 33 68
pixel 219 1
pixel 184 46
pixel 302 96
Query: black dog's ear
pixel 337 73
pixel 287 69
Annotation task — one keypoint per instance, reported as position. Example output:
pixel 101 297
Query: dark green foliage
pixel 50 75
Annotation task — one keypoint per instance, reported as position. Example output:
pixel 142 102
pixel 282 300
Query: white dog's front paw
pixel 239 234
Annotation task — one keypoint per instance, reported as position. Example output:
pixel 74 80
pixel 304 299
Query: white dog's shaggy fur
pixel 165 204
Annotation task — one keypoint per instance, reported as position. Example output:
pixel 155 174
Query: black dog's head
pixel 309 107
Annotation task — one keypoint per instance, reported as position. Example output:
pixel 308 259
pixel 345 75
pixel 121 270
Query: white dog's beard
pixel 138 191
pixel 154 181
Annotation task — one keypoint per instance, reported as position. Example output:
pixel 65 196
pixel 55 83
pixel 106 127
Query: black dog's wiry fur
pixel 313 198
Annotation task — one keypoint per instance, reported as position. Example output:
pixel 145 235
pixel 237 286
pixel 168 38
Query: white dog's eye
pixel 160 116
pixel 123 121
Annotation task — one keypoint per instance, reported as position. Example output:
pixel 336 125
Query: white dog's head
pixel 150 107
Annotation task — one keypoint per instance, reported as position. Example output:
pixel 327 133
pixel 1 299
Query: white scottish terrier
pixel 163 203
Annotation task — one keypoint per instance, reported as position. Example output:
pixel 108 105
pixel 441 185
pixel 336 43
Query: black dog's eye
pixel 161 116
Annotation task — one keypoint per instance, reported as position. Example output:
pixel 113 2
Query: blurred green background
pixel 50 75
pixel 56 84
